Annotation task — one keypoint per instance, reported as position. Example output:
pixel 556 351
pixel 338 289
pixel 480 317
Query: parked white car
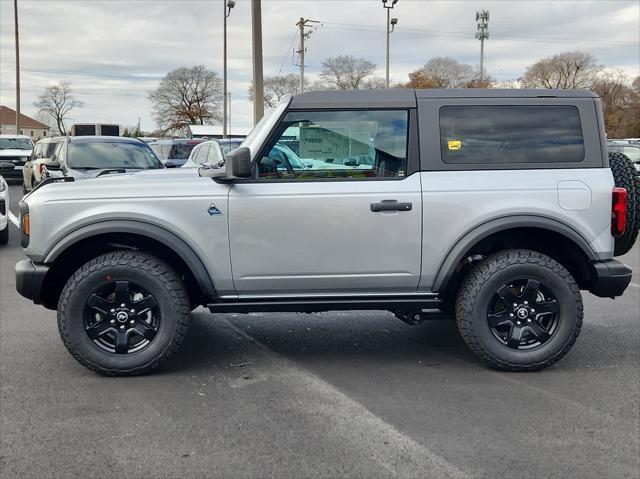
pixel 15 150
pixel 210 152
pixel 33 170
pixel 4 211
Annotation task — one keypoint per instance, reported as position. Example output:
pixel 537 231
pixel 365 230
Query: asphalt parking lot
pixel 321 395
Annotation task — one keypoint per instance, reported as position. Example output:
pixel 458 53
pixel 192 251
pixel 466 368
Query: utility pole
pixel 228 5
pixel 258 83
pixel 229 113
pixel 482 17
pixel 391 23
pixel 15 11
pixel 304 35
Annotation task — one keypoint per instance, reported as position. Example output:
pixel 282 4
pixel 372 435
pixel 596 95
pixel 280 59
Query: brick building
pixel 28 126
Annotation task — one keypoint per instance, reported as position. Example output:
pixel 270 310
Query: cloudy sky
pixel 113 52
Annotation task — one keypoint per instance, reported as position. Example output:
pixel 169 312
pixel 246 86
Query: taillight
pixel 42 167
pixel 619 212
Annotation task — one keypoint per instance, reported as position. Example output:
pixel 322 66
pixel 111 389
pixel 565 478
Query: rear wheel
pixel 519 310
pixel 123 313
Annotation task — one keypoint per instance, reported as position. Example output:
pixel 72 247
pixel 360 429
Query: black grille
pixel 16 160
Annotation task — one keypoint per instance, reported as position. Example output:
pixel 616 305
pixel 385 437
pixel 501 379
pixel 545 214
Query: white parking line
pixel 14 220
pixel 635 285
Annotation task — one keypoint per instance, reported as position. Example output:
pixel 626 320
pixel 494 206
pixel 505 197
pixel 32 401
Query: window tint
pixel 338 145
pixel 510 134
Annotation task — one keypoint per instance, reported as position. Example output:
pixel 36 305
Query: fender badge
pixel 214 211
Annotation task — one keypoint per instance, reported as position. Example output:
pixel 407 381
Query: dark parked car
pixel 83 157
pixel 174 153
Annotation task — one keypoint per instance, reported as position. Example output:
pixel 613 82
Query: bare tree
pixel 445 72
pixel 187 96
pixel 345 72
pixel 620 104
pixel 279 87
pixel 56 102
pixel 374 83
pixel 563 71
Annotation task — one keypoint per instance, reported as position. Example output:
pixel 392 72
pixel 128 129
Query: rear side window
pixel 479 134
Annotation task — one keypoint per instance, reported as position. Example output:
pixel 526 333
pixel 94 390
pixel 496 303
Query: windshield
pixel 15 144
pixel 111 154
pixel 181 151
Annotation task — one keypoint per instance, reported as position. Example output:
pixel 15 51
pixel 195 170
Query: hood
pixel 12 152
pixel 147 183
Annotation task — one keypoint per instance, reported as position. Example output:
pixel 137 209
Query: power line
pixel 407 31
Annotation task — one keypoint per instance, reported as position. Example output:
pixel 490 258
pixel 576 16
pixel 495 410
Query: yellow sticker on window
pixel 454 144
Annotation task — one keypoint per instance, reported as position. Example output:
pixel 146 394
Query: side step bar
pixel 314 305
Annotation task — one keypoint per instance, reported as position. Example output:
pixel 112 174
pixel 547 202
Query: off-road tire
pixel 626 176
pixel 158 278
pixel 478 289
pixel 4 235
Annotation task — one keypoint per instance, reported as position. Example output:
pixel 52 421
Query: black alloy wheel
pixel 121 318
pixel 524 314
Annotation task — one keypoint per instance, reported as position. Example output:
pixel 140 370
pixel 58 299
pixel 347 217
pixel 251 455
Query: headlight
pixel 3 184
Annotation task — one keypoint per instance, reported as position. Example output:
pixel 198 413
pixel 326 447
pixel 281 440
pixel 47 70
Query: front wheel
pixel 123 313
pixel 519 310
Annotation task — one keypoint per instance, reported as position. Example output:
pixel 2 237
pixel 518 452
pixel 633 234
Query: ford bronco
pixel 493 207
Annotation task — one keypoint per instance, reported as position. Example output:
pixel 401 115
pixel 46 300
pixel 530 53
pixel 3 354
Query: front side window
pixel 479 134
pixel 338 145
pixel 214 155
pixel 50 149
pixel 200 156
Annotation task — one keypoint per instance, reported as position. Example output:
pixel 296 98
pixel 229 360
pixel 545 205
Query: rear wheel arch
pixel 88 242
pixel 571 248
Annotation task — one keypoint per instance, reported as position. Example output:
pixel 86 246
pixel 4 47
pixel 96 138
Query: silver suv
pixel 495 207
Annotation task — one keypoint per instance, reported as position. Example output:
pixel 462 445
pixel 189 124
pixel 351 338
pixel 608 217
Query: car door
pixel 340 215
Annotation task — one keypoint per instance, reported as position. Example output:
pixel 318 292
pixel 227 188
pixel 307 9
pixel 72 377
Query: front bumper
pixel 29 279
pixel 611 278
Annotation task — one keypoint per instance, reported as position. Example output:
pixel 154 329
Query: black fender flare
pixel 480 232
pixel 141 228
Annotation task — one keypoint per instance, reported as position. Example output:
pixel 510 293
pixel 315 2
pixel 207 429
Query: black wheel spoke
pixel 144 304
pixel 99 304
pixel 122 342
pixel 144 330
pixel 530 292
pixel 498 319
pixel 98 329
pixel 547 307
pixel 514 337
pixel 537 330
pixel 122 295
pixel 507 295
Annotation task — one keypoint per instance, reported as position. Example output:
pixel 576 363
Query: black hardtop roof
pixel 406 98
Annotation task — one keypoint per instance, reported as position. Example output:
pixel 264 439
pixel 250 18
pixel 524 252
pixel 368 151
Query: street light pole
pixel 227 11
pixel 391 22
pixel 258 84
pixel 15 11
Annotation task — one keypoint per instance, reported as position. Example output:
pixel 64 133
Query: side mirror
pixel 239 162
pixel 53 166
pixel 170 164
pixel 238 165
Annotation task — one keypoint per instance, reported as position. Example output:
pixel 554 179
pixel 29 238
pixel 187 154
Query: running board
pixel 313 305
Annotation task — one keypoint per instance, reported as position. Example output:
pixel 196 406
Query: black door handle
pixel 390 205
